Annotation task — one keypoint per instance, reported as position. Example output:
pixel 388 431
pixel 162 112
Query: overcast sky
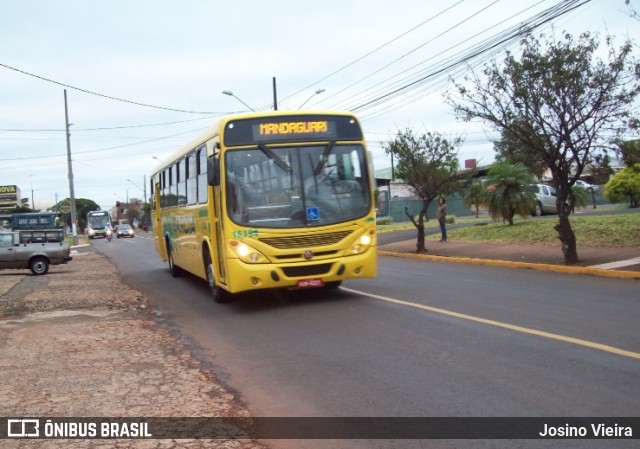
pixel 144 77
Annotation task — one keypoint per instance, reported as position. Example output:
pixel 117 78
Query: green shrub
pixel 384 220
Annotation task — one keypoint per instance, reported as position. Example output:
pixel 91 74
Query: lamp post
pixel 317 92
pixel 144 190
pixel 227 92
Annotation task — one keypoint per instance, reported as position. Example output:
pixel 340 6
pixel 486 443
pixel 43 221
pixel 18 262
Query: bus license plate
pixel 310 283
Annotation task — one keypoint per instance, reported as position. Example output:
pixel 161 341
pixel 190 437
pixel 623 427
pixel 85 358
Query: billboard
pixel 9 196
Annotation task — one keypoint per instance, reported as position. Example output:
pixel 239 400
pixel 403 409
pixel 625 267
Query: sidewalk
pixel 77 342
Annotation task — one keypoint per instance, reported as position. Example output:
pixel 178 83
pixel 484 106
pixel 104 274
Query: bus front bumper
pixel 311 274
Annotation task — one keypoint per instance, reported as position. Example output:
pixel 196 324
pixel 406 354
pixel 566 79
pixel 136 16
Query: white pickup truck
pixel 20 249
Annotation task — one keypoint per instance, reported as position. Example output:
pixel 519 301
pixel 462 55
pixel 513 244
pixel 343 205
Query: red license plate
pixel 310 283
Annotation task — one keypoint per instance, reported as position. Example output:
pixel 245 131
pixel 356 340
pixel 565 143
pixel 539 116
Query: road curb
pixel 619 274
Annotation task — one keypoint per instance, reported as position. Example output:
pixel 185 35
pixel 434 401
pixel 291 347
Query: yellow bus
pixel 277 199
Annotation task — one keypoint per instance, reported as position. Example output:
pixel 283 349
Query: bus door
pixel 217 230
pixel 157 224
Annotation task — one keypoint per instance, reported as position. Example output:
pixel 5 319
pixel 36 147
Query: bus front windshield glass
pixel 289 187
pixel 98 221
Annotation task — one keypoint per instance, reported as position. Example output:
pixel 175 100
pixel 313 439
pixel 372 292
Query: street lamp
pixel 226 92
pixel 317 92
pixel 144 190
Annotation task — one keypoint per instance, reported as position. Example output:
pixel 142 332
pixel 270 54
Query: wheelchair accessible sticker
pixel 313 213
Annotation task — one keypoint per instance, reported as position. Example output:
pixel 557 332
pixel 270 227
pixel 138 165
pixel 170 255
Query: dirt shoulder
pixel 78 342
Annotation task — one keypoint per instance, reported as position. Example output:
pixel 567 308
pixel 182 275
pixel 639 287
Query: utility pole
pixel 72 197
pixel 144 187
pixel 33 203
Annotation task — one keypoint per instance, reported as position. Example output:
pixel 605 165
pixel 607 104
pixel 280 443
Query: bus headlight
pixel 365 240
pixel 246 253
pixel 362 244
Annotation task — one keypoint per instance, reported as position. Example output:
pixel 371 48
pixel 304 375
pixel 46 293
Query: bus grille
pixel 307 270
pixel 305 241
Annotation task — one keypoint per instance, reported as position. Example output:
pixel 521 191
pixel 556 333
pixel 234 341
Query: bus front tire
pixel 173 268
pixel 218 294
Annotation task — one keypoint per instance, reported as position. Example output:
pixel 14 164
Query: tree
pixel 510 149
pixel 600 170
pixel 83 206
pixel 508 193
pixel 625 184
pixel 429 164
pixel 18 210
pixel 581 197
pixel 629 151
pixel 473 195
pixel 559 103
pixel 632 12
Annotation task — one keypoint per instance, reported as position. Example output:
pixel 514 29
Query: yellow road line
pixel 512 327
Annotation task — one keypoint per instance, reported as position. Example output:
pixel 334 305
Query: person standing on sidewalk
pixel 441 215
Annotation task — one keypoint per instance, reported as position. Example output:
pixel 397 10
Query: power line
pixel 411 51
pixel 106 96
pixel 501 39
pixel 102 149
pixel 373 51
pixel 148 125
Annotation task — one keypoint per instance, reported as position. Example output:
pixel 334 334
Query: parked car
pixel 18 250
pixel 588 187
pixel 124 230
pixel 545 200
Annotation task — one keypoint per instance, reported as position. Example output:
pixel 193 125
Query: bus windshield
pixel 297 186
pixel 99 220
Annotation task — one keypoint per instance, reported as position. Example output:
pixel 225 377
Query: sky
pixel 143 78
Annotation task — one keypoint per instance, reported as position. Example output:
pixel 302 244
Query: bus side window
pixel 202 175
pixel 191 179
pixel 181 183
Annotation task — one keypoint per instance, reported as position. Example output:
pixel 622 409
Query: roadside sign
pixel 64 207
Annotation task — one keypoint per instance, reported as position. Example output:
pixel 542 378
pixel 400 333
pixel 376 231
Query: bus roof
pixel 214 130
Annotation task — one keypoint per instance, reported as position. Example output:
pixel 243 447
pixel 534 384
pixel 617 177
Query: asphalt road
pixel 424 339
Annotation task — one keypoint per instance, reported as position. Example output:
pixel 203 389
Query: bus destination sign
pixel 307 127
pixel 291 128
pixel 270 131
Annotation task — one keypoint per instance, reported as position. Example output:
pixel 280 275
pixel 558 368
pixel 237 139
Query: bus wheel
pixel 218 294
pixel 173 268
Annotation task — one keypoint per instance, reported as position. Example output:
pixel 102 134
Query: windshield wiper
pixel 323 159
pixel 275 158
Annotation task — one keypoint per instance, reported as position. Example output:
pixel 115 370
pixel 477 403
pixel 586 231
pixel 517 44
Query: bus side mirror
pixel 213 171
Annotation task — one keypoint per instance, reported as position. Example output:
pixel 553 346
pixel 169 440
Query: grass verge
pixel 618 230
